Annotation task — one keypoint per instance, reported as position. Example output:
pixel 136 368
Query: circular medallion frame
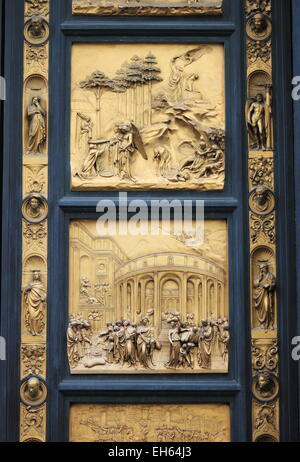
pixel 265 386
pixel 36 22
pixel 259 27
pixel 42 391
pixel 262 201
pixel 35 208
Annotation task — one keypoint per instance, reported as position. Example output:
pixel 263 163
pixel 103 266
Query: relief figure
pixel 35 299
pixel 146 343
pixel 77 339
pixel 92 164
pixel 259 121
pixel 178 76
pixel 175 345
pixel 127 142
pixel 37 126
pixel 263 297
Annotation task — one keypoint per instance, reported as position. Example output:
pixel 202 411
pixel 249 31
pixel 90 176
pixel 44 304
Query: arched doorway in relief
pixel 129 300
pixel 170 295
pixel 211 293
pixel 149 295
pixel 170 300
pixel 191 296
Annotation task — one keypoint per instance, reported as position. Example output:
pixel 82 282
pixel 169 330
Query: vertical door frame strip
pixel 262 224
pixel 34 223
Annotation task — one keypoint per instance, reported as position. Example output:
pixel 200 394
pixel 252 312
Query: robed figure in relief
pixel 37 127
pixel 263 297
pixel 35 298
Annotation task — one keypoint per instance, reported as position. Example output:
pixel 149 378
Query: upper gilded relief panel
pixel 150 7
pixel 147 116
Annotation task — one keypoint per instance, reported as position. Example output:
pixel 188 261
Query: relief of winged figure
pixel 126 142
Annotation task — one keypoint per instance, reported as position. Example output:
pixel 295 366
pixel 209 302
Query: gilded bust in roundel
pixel 33 391
pixel 259 27
pixel 35 208
pixel 36 30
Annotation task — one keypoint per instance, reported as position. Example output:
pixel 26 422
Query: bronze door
pixel 141 316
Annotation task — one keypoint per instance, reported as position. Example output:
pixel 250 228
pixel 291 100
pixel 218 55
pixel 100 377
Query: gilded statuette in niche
pixel 147 7
pixel 35 107
pixel 184 423
pixel 35 304
pixel 147 304
pixel 151 118
pixel 36 126
pixel 259 107
pixel 263 296
pixel 259 120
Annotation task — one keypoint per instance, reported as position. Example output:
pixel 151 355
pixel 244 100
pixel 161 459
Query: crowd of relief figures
pixel 125 343
pixel 149 303
pixel 147 116
pixel 184 423
pixel 147 7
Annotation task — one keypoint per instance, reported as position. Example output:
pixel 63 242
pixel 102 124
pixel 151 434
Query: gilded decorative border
pixel 86 7
pixel 262 223
pixel 33 389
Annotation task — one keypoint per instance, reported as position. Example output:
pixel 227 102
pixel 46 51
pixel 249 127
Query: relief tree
pixel 122 86
pixel 150 75
pixel 98 83
pixel 134 79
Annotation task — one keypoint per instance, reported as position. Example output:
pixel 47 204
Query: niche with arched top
pixel 35 110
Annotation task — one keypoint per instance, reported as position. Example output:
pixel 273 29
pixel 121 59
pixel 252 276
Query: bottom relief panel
pixel 150 423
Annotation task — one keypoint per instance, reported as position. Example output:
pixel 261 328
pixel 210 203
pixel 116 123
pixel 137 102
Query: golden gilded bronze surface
pixel 32 423
pixel 142 304
pixel 262 222
pixel 33 390
pixel 178 423
pixel 150 118
pixel 147 7
pixel 147 116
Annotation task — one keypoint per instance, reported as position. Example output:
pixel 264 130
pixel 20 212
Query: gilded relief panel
pixel 188 423
pixel 147 116
pixel 148 304
pixel 147 7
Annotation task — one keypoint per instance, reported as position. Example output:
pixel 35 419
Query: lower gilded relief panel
pixel 178 423
pixel 151 303
pixel 147 7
